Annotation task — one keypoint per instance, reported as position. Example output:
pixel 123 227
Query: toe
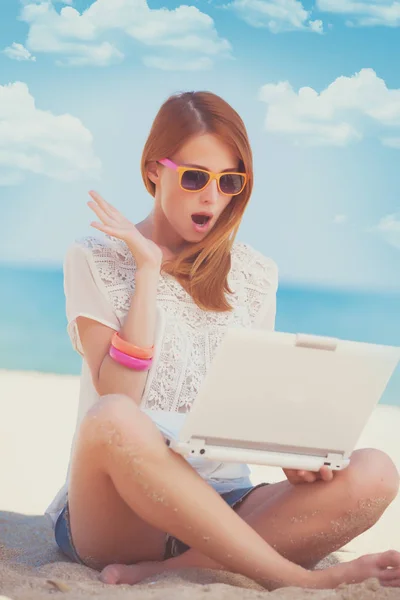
pixel 111 574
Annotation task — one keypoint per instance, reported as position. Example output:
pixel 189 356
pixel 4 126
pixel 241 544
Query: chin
pixel 195 236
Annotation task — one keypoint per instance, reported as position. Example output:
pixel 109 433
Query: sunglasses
pixel 195 180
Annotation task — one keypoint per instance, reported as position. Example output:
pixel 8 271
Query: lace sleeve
pixel 85 292
pixel 261 284
pixel 267 320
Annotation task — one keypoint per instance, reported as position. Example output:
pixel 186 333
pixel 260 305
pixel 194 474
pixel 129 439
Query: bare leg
pixel 122 466
pixel 304 523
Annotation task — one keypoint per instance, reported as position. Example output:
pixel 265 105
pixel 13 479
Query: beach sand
pixel 37 420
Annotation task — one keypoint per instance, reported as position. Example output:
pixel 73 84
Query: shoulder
pixel 103 264
pixel 110 257
pixel 256 269
pixel 98 251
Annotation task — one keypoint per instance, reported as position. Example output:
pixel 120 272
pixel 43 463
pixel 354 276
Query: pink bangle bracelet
pixel 136 364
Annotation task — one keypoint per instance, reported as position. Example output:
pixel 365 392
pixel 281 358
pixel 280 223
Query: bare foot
pixel 131 574
pixel 384 566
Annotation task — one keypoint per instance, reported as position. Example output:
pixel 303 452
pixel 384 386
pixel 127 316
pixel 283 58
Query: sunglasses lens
pixel 231 184
pixel 193 180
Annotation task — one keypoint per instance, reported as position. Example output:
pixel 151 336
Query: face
pixel 177 209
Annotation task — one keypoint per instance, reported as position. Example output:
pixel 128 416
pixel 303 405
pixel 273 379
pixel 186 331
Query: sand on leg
pixel 127 488
pixel 304 523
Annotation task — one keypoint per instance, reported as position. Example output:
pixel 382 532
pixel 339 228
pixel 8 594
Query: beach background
pixel 318 86
pixel 33 333
pixel 39 382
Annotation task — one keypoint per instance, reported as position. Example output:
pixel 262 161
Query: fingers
pixel 102 214
pixel 308 476
pixel 389 576
pixel 326 473
pixel 105 229
pixel 105 206
pixel 389 559
pixel 389 562
pixel 303 476
pixel 295 477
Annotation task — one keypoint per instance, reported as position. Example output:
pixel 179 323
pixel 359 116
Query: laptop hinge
pixel 315 341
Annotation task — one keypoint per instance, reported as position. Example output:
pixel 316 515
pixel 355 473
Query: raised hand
pixel 114 223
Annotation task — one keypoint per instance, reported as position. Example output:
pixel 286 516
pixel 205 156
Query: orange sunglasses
pixel 195 180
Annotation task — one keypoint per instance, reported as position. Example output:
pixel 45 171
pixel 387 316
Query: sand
pixel 38 411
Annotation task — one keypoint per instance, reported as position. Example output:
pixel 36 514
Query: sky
pixel 316 83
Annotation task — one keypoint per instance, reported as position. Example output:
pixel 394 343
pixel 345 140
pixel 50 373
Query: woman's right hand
pixel 145 251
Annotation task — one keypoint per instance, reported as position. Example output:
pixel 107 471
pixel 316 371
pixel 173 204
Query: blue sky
pixel 316 83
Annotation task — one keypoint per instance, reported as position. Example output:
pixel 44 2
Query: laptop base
pixel 197 448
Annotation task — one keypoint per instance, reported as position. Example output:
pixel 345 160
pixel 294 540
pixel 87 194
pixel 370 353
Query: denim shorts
pixel 173 546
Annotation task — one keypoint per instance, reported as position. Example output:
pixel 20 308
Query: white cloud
pixel 389 228
pixel 89 38
pixel 364 14
pixel 391 142
pixel 276 15
pixel 339 219
pixel 37 141
pixel 81 55
pixel 18 52
pixel 341 114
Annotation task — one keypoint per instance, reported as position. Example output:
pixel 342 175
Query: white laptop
pixel 294 401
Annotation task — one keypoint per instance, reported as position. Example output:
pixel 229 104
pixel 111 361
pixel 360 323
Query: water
pixel 33 324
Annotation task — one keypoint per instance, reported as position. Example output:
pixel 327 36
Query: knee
pixel 371 481
pixel 116 423
pixel 113 408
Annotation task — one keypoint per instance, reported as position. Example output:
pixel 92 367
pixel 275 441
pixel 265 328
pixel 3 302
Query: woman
pixel 147 309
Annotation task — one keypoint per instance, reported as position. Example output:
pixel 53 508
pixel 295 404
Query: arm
pixel 108 376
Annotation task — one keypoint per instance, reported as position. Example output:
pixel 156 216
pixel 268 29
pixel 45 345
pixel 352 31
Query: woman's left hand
pixel 295 477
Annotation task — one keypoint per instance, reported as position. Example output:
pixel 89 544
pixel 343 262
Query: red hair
pixel 202 268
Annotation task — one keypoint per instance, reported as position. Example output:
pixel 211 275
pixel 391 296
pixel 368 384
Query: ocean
pixel 33 333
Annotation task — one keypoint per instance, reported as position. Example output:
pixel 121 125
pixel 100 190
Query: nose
pixel 210 194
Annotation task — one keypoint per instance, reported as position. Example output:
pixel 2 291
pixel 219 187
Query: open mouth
pixel 201 220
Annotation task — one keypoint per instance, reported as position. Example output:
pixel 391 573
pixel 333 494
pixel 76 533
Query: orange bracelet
pixel 130 349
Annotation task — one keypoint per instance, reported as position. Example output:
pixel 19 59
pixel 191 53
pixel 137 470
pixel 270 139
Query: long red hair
pixel 202 268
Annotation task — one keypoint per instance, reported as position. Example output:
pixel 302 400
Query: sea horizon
pixel 33 324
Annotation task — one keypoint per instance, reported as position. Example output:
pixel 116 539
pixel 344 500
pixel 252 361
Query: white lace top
pixel 99 281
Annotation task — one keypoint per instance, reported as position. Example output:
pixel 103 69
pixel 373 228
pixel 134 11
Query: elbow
pixel 106 389
pixel 99 387
pixel 109 382
pixel 104 381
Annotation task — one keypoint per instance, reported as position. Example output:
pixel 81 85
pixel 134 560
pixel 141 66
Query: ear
pixel 153 172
